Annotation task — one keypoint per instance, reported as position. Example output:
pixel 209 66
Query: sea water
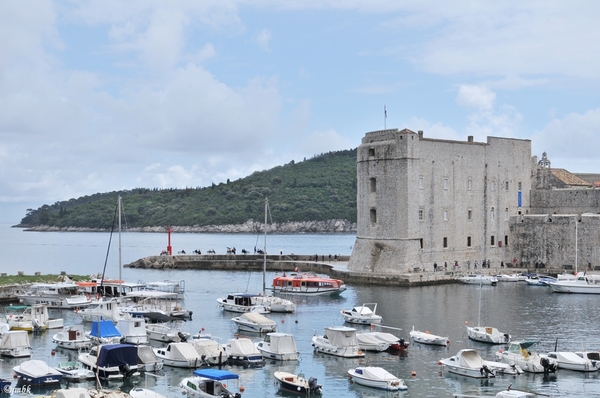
pixel 567 322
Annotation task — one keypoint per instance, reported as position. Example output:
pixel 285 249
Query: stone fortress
pixel 428 201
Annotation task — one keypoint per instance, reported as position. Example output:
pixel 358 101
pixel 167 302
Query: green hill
pixel 317 189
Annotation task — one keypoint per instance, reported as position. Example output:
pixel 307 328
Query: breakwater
pixel 334 267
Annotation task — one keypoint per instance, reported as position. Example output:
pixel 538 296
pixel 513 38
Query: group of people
pixel 335 257
pixel 484 264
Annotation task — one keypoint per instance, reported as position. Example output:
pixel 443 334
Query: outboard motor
pixel 548 366
pixel 487 372
pixel 313 386
pixel 126 370
pixel 182 337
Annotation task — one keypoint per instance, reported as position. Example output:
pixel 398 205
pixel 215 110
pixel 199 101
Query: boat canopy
pixel 341 336
pixel 242 347
pixel 104 329
pixel 257 318
pixel 215 374
pixel 183 351
pixel 146 354
pixel 157 317
pixel 282 342
pixel 14 339
pixel 470 359
pixel 117 354
pixel 375 373
pixel 37 368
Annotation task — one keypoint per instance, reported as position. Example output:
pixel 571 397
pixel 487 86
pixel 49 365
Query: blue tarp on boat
pixel 116 355
pixel 104 329
pixel 215 374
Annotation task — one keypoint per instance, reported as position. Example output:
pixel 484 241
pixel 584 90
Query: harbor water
pixel 569 322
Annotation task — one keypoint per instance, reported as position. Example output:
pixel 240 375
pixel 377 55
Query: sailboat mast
pixel 576 245
pixel 265 249
pixel 119 210
pixel 480 289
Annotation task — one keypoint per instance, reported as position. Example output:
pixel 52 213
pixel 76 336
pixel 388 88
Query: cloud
pixel 263 39
pixel 479 97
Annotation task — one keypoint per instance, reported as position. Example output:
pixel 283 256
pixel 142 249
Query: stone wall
pixel 565 201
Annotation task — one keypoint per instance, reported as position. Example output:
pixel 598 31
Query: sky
pixel 99 96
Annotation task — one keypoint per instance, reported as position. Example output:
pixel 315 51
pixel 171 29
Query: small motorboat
pixel 428 338
pixel 104 332
pixel 241 351
pixel 468 362
pixel 166 333
pixel 15 344
pixel 541 281
pixel 72 337
pixel 37 373
pixel 376 377
pixel 208 383
pixel 147 359
pixel 575 361
pixel 74 371
pixel 369 342
pixel 254 322
pixel 487 334
pixel 362 315
pixel 133 330
pixel 111 361
pixel 139 392
pixel 5 384
pixel 396 343
pixel 211 351
pixel 242 302
pixel 180 355
pixel 478 279
pixel 278 346
pixel 340 341
pixel 519 354
pixel 297 383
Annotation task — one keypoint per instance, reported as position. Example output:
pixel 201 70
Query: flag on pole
pixel 384 112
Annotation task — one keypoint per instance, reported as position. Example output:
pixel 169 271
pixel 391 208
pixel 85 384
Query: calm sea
pixel 570 321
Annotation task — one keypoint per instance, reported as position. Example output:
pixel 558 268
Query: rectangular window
pixel 469 185
pixel 371 152
pixel 468 241
pixel 445 242
pixel 505 240
pixel 520 186
pixel 506 214
pixel 373 216
pixel 506 185
pixel 421 242
pixel 420 215
pixel 493 185
pixel 420 182
pixel 493 240
pixel 445 215
pixel 445 183
pixel 373 184
pixel 469 214
pixel 492 214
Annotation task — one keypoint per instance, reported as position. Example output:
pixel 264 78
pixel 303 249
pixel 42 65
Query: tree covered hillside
pixel 317 189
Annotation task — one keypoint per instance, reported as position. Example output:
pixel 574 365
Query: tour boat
pixel 72 337
pixel 60 295
pixel 428 338
pixel 37 373
pixel 362 315
pixel 278 346
pixel 340 341
pixel 255 323
pixel 297 384
pixel 519 354
pixel 376 377
pixel 469 363
pixel 208 383
pixel 308 284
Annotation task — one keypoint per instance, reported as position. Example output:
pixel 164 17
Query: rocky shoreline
pixel 250 226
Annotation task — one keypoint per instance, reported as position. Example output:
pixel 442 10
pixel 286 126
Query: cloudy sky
pixel 106 95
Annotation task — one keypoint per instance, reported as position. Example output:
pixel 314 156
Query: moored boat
pixel 519 354
pixel 111 361
pixel 575 361
pixel 428 338
pixel 308 284
pixel 72 337
pixel 278 346
pixel 468 362
pixel 584 284
pixel 370 342
pixel 179 355
pixel 479 279
pixel 37 373
pixel 15 344
pixel 242 351
pixel 376 377
pixel 297 383
pixel 254 322
pixel 74 371
pixel 208 383
pixel 61 295
pixel 242 302
pixel 340 341
pixel 363 314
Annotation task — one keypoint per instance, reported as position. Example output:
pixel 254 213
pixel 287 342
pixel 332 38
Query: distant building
pixel 423 201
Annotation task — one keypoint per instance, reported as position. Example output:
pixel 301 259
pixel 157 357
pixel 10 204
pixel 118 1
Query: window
pixel 506 185
pixel 493 240
pixel 445 215
pixel 506 214
pixel 468 241
pixel 420 214
pixel 492 214
pixel 469 185
pixel 373 216
pixel 371 152
pixel 445 242
pixel 420 182
pixel 493 185
pixel 505 240
pixel 469 214
pixel 421 242
pixel 445 183
pixel 373 184
pixel 520 186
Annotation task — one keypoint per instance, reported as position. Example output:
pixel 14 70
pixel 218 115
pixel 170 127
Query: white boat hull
pixel 388 383
pixel 323 346
pixel 486 334
pixel 427 338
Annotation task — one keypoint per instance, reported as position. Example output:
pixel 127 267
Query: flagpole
pixel 384 118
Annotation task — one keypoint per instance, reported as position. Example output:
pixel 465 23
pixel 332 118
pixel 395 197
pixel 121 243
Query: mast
pixel 265 249
pixel 119 210
pixel 576 245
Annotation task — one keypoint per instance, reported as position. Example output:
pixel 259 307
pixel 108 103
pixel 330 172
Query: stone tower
pixel 424 200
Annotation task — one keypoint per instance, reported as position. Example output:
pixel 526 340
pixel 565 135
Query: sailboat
pixel 261 303
pixel 486 334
